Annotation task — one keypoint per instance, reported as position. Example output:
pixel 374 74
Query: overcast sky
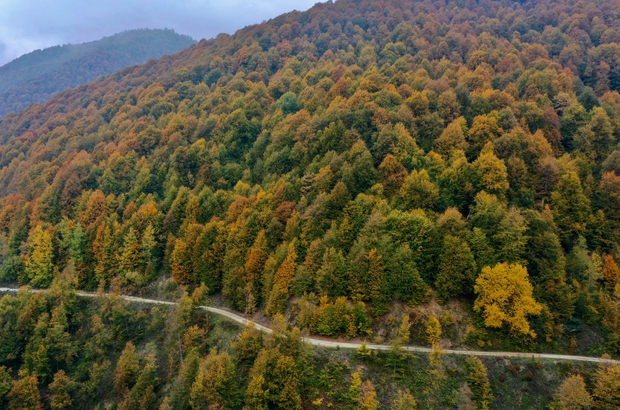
pixel 27 25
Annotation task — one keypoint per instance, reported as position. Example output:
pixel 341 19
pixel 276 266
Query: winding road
pixel 348 345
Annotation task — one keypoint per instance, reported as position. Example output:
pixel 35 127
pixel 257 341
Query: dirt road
pixel 348 345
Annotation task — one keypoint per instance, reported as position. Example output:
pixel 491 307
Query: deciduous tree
pixel 505 297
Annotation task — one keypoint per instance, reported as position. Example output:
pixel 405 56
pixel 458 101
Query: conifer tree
pixel 6 382
pixel 215 384
pixel 254 265
pixel 127 369
pixel 103 251
pixel 25 393
pixel 457 269
pixel 60 388
pixel 572 394
pixel 404 401
pixel 331 277
pixel 40 262
pixel 129 257
pixel 611 272
pixel 571 208
pixel 607 386
pixel 281 282
pixel 433 330
pixel 368 399
pixel 142 396
pixel 479 384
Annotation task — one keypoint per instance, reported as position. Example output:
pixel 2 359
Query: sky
pixel 27 25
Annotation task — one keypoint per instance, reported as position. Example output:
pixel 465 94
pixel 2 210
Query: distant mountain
pixel 36 76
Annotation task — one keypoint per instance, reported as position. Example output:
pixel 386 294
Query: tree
pixel 256 395
pixel 457 269
pixel 368 399
pixel 6 381
pixel 130 258
pixel 215 384
pixel 491 172
pixel 452 138
pixel 571 208
pixel 254 265
pixel 607 386
pixel 127 369
pixel 433 330
pixel 404 401
pixel 392 174
pixel 60 388
pixel 478 382
pixel 505 297
pixel 103 251
pixel 181 388
pixel 40 262
pixel 142 395
pixel 418 191
pixel 611 272
pixel 78 244
pixel 572 395
pixel 484 129
pixel 331 277
pixel 281 282
pixel 182 263
pixel 25 393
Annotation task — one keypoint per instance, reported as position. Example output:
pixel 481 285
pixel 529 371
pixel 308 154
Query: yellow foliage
pixel 505 297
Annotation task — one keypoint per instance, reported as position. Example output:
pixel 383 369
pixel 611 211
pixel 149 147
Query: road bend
pixel 335 344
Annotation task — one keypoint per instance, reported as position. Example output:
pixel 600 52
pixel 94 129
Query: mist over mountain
pixel 36 76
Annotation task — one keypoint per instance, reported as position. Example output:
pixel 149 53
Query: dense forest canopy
pixel 339 165
pixel 36 76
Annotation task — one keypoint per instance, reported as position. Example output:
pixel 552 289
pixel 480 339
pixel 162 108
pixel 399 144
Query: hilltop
pixel 36 76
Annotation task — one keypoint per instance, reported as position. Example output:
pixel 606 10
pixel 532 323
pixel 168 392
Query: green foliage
pixel 479 384
pixel 329 165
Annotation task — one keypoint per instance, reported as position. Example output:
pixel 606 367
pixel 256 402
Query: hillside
pixel 442 174
pixel 36 76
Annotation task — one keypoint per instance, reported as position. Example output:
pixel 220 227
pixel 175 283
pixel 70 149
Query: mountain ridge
pixel 39 74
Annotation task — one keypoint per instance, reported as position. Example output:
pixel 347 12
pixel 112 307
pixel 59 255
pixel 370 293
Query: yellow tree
pixel 60 398
pixel 611 272
pixel 368 399
pixel 478 382
pixel 281 282
pixel 405 401
pixel 215 382
pixel 505 297
pixel 254 265
pixel 607 387
pixel 572 395
pixel 127 368
pixel 491 172
pixel 25 393
pixel 40 262
pixel 433 330
pixel 418 191
pixel 452 138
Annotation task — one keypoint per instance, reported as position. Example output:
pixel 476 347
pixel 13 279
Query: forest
pixel 35 77
pixel 439 173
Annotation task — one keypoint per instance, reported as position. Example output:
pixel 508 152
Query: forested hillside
pixel 451 166
pixel 36 76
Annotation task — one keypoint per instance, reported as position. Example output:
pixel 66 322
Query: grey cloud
pixel 26 25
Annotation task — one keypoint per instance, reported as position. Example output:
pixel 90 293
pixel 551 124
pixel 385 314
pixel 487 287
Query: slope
pixel 346 166
pixel 38 75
